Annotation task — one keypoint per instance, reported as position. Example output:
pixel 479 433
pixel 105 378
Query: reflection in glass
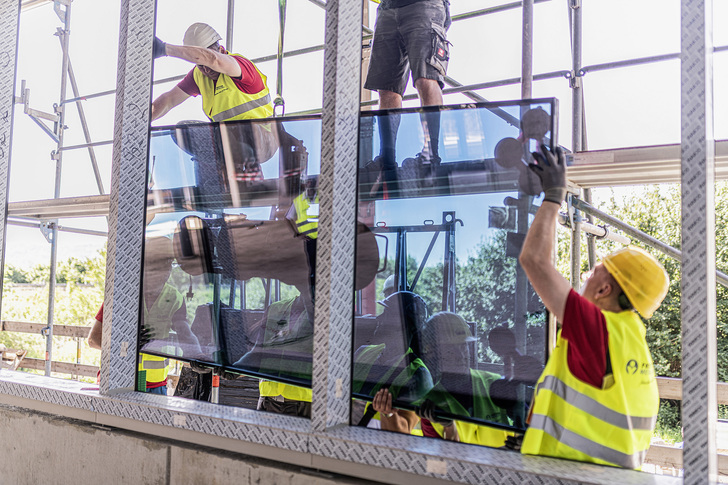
pixel 463 340
pixel 237 203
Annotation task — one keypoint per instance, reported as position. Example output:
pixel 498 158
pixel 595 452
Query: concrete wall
pixel 43 448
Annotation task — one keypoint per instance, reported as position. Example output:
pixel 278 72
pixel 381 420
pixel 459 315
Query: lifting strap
pixel 279 101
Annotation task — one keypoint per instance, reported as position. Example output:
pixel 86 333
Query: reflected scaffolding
pixel 450 325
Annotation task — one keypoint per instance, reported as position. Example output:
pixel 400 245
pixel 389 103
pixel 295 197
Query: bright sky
pixel 625 107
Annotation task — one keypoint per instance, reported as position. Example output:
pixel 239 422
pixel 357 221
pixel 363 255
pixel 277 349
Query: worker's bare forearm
pixel 536 260
pixel 216 61
pixel 167 101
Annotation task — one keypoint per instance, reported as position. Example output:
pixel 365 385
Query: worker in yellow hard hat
pixel 597 399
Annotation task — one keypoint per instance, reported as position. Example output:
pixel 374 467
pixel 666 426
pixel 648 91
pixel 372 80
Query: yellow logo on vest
pixel 220 88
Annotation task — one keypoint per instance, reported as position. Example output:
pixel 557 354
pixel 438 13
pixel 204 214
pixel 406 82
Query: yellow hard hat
pixel 642 278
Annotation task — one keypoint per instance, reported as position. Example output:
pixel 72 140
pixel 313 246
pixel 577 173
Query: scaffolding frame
pixel 697 143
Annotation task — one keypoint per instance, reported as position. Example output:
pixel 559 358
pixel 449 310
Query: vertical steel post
pixel 9 28
pixel 576 130
pixel 128 191
pixel 521 296
pixel 337 222
pixel 230 25
pixel 698 306
pixel 64 33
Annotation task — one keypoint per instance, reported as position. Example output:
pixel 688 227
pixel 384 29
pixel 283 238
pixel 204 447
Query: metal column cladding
pixel 699 406
pixel 128 189
pixel 9 17
pixel 337 222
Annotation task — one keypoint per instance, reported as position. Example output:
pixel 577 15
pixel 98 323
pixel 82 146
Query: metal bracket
pixel 574 4
pixel 571 211
pixel 575 78
pixel 46 228
pixel 34 114
pixel 57 8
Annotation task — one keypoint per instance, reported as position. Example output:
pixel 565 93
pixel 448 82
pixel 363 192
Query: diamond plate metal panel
pixel 462 463
pixel 699 406
pixel 337 222
pixel 128 184
pixel 9 23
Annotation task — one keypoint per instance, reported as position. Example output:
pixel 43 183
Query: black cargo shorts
pixel 409 38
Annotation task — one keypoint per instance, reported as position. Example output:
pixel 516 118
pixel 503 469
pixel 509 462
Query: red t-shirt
pixel 585 328
pixel 249 81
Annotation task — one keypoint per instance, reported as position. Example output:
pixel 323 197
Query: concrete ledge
pixel 357 452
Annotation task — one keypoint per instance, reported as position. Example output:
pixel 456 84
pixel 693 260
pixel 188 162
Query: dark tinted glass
pixel 450 319
pixel 232 215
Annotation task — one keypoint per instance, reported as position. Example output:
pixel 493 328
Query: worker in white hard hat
pixel 231 86
pixel 597 399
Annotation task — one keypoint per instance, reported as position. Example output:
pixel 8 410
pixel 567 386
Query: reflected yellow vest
pixel 306 224
pixel 483 408
pixel 223 101
pixel 281 310
pixel 159 317
pixel 613 426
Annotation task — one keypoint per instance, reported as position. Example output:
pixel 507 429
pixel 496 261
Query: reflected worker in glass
pixel 597 398
pixel 164 314
pixel 459 389
pixel 390 368
pixel 409 35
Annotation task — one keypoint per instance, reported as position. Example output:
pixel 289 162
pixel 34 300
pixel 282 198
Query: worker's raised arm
pixel 167 101
pixel 94 336
pixel 538 247
pixel 217 60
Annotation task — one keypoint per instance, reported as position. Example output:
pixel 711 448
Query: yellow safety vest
pixel 306 224
pixel 159 317
pixel 612 426
pixel 483 407
pixel 288 391
pixel 281 310
pixel 223 101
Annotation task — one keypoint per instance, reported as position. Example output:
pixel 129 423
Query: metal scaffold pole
pixel 576 132
pixel 521 296
pixel 65 16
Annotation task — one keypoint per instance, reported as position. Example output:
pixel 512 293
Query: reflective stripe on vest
pixel 223 101
pixel 305 225
pixel 585 445
pixel 591 406
pixel 609 426
pixel 235 111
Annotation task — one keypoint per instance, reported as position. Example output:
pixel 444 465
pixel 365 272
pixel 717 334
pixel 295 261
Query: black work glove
pixel 514 442
pixel 551 169
pixel 427 411
pixel 146 335
pixel 159 49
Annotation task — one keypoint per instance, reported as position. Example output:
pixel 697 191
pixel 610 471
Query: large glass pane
pixel 450 321
pixel 230 244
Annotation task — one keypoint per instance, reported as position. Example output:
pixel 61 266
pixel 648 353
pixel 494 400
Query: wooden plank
pixel 61 367
pixel 671 388
pixel 58 330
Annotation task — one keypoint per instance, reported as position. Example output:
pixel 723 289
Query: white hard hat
pixel 388 288
pixel 201 35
